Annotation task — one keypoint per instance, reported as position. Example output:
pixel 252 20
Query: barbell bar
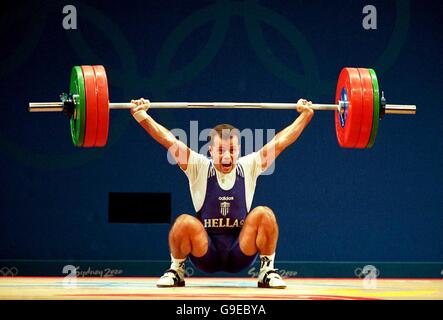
pixel 359 106
pixel 59 106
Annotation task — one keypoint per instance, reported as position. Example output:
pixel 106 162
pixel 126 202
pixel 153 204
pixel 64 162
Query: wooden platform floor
pixel 54 288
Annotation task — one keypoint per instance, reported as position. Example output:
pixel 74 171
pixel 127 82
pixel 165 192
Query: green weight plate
pixel 376 108
pixel 78 119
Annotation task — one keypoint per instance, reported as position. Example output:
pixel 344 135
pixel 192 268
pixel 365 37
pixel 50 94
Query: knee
pixel 265 215
pixel 189 235
pixel 186 223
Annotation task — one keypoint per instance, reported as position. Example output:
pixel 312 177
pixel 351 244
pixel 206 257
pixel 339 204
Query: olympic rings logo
pixel 8 272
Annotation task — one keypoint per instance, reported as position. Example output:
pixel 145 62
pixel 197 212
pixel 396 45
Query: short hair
pixel 224 131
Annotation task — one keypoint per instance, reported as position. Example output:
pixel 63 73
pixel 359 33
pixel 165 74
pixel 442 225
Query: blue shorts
pixel 223 254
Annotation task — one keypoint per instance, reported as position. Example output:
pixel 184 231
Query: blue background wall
pixel 385 204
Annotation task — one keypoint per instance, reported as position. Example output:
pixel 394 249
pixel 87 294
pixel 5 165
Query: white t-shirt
pixel 197 173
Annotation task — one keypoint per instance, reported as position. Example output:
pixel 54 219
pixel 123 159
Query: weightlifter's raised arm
pixel 176 148
pixel 287 136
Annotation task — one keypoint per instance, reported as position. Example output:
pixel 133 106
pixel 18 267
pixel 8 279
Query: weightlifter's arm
pixel 177 149
pixel 287 136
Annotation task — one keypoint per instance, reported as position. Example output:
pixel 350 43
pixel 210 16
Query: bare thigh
pixel 188 236
pixel 259 232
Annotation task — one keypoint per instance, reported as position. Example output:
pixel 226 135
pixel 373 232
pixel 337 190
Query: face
pixel 224 153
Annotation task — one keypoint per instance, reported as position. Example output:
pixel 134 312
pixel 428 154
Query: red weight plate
pixel 347 124
pixel 368 108
pixel 102 106
pixel 91 106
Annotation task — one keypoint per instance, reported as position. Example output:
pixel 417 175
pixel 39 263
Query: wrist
pixel 140 115
pixel 308 112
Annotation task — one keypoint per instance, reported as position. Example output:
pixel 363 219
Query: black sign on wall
pixel 139 207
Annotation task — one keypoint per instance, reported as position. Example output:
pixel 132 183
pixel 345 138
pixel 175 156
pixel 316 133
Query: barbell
pixel 359 105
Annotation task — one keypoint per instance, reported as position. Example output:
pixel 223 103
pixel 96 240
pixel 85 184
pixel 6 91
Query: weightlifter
pixel 225 234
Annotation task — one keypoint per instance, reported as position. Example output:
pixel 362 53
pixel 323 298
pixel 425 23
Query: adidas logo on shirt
pixel 225 198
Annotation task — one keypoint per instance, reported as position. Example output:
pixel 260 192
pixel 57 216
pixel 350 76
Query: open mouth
pixel 226 166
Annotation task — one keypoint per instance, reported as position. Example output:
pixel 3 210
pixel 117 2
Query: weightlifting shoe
pixel 171 278
pixel 269 278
